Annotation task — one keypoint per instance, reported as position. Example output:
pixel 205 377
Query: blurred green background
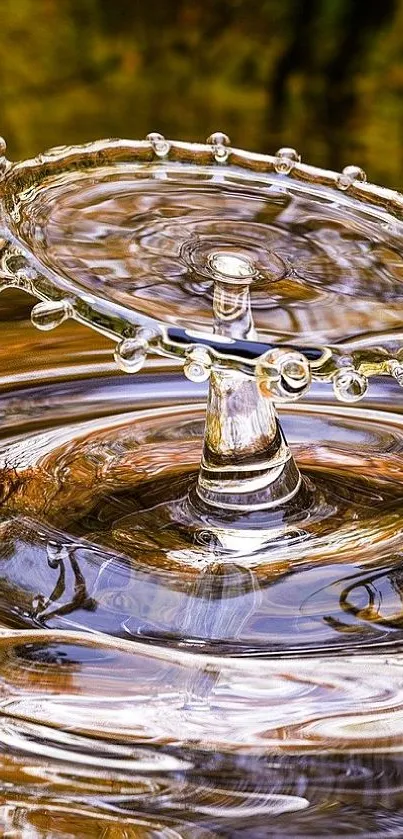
pixel 325 76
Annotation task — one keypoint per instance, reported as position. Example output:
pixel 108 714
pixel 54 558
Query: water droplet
pixel 159 143
pixel 131 354
pixel 349 175
pixel 218 139
pixel 349 385
pixel 50 313
pixel 286 160
pixel 294 369
pixel 220 143
pixel 283 375
pixel 231 265
pixel 197 367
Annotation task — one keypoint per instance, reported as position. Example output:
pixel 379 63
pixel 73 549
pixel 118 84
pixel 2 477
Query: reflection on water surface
pixel 145 734
pixel 145 692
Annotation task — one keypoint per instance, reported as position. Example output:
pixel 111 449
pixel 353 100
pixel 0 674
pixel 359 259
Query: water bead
pixel 295 376
pixel 220 143
pixel 349 175
pixel 294 368
pixel 131 354
pixel 195 372
pixel 286 158
pixel 159 143
pixel 283 375
pixel 349 385
pixel 197 367
pixel 218 139
pixel 221 154
pixel 50 313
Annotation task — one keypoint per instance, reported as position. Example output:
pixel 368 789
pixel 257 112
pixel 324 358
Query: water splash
pixel 162 678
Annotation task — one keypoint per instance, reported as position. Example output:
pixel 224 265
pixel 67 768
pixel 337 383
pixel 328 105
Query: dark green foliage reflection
pixel 325 76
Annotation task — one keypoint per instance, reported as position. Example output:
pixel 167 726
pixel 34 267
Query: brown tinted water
pixel 155 728
pixel 150 729
pixel 242 675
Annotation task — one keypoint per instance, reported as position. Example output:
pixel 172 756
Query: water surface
pixel 163 679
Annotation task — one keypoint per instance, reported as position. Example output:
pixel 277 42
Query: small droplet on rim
pixel 218 139
pixel 286 158
pixel 49 314
pixel 349 385
pixel 349 175
pixel 131 354
pixel 198 364
pixel 220 143
pixel 159 143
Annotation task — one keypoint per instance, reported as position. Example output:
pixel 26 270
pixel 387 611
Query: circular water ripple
pixel 52 681
pixel 145 238
pixel 159 728
pixel 220 796
pixel 86 542
pixel 64 820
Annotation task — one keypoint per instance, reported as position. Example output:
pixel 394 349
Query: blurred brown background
pixel 325 76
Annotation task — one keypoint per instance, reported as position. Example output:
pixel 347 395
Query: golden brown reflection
pixel 33 356
pixel 101 510
pixel 100 736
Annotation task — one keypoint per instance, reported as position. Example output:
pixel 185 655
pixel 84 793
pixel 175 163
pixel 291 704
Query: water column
pixel 246 463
